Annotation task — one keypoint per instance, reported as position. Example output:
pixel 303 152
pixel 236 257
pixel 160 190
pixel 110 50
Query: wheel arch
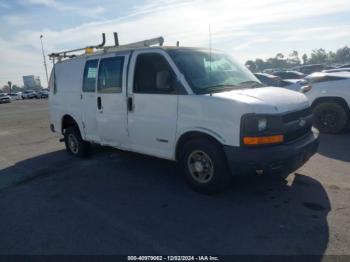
pixel 335 99
pixel 194 134
pixel 69 120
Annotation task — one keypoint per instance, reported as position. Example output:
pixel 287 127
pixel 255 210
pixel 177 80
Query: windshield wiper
pixel 251 83
pixel 217 89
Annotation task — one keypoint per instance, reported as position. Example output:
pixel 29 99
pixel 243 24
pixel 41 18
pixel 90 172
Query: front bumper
pixel 272 159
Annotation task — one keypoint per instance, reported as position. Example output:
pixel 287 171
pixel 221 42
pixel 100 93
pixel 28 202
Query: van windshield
pixel 211 72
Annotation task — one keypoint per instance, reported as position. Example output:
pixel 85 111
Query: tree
pixel 331 57
pixel 293 59
pixel 251 65
pixel 318 56
pixel 5 89
pixel 342 55
pixel 279 56
pixel 305 58
pixel 16 88
pixel 260 64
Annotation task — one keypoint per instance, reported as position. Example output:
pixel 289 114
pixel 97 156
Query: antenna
pixel 116 40
pixel 210 46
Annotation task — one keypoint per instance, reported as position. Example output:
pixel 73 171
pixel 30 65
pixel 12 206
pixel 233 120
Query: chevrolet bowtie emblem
pixel 302 122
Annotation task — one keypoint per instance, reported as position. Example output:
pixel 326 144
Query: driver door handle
pixel 99 103
pixel 130 104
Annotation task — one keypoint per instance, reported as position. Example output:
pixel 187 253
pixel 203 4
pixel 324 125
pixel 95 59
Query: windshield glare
pixel 208 72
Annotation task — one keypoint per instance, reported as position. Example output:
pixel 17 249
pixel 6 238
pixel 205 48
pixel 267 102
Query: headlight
pixel 261 129
pixel 262 124
pixel 305 89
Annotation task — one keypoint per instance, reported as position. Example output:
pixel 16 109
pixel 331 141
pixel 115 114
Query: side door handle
pixel 130 104
pixel 99 103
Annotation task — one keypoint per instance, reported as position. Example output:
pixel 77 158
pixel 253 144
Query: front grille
pixel 294 116
pixel 291 136
pixel 293 125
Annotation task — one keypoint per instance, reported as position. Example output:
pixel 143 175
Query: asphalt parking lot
pixel 122 203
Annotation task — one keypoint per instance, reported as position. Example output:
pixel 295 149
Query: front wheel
pixel 75 145
pixel 330 117
pixel 204 165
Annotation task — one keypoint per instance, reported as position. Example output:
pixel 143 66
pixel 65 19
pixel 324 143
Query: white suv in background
pixel 195 106
pixel 329 95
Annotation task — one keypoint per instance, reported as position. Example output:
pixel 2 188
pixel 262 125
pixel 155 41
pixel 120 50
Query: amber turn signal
pixel 262 140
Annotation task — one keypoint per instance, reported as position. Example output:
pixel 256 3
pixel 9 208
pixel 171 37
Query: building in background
pixel 31 82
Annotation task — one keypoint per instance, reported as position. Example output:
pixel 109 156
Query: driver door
pixel 153 101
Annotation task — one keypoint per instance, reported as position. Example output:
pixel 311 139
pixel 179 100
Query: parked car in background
pixel 15 96
pixel 272 80
pixel 271 70
pixel 344 66
pixel 29 94
pixel 329 96
pixel 289 74
pixel 4 98
pixel 268 79
pixel 43 94
pixel 293 84
pixel 309 69
pixel 339 69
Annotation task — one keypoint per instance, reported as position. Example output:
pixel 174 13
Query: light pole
pixel 42 49
pixel 10 85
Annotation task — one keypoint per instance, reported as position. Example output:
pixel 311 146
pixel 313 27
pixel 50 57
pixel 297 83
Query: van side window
pixel 90 73
pixel 153 75
pixel 110 75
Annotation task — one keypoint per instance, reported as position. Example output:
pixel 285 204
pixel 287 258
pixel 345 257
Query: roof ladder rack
pixel 89 49
pixel 145 43
pixel 64 54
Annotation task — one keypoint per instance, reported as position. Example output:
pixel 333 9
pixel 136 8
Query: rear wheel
pixel 204 165
pixel 75 145
pixel 330 117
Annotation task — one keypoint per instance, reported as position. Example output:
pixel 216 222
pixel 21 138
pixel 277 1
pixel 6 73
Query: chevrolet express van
pixel 196 106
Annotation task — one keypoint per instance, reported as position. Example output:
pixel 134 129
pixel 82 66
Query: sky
pixel 246 29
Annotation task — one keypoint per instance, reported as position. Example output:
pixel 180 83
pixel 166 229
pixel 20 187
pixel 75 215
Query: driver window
pixel 153 75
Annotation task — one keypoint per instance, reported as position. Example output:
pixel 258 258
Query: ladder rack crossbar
pixel 145 43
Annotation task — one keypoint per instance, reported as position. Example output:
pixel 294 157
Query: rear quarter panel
pixel 65 98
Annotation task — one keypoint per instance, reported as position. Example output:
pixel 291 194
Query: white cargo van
pixel 195 106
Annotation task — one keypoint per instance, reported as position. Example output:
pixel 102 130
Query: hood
pixel 272 99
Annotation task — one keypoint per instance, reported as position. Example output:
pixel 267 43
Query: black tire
pixel 219 179
pixel 80 148
pixel 330 117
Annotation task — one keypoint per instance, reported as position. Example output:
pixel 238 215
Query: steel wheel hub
pixel 200 166
pixel 329 119
pixel 73 143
